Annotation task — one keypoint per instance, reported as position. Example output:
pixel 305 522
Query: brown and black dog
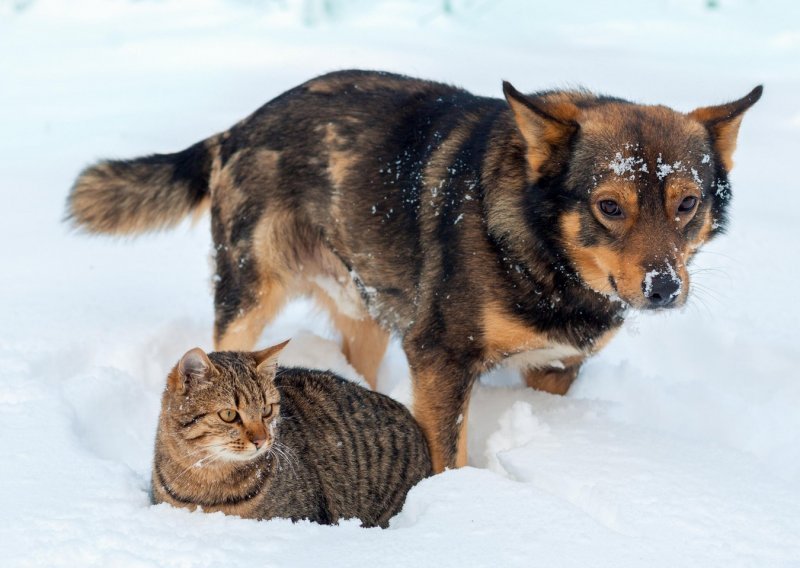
pixel 478 230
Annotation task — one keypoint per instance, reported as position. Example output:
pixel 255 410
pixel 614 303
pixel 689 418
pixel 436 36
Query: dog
pixel 480 231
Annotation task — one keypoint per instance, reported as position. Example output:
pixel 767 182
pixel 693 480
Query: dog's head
pixel 637 189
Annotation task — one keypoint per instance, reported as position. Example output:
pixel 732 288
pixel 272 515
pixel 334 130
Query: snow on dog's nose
pixel 661 287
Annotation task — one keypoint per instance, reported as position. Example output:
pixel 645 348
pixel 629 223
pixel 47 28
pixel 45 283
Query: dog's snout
pixel 661 288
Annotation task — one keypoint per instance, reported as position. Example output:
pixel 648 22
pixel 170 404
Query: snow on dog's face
pixel 222 406
pixel 638 189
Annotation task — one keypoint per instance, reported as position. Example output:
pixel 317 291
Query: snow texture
pixel 678 446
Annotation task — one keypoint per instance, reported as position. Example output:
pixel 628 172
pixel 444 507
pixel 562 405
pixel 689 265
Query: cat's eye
pixel 269 411
pixel 687 204
pixel 228 415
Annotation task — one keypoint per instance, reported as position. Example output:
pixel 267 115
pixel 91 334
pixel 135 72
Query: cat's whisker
pixel 198 450
pixel 208 460
pixel 203 449
pixel 273 455
pixel 279 451
pixel 291 456
pixel 286 449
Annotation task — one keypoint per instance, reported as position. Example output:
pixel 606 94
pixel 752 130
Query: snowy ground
pixel 679 445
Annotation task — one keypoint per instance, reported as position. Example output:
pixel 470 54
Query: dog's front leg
pixel 553 380
pixel 442 389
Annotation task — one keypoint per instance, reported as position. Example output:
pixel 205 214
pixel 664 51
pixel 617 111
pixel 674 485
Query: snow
pixel 621 165
pixel 679 444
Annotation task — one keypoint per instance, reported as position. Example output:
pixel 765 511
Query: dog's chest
pixel 509 341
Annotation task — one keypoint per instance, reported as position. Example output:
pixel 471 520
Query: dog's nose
pixel 661 288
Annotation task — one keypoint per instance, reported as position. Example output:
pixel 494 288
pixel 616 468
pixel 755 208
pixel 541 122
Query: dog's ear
pixel 546 126
pixel 722 122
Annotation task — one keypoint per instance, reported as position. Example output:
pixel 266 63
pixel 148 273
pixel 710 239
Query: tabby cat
pixel 238 435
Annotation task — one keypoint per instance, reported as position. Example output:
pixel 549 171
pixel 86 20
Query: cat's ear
pixel 193 370
pixel 722 122
pixel 267 359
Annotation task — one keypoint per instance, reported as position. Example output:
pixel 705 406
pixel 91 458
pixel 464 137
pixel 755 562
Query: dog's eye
pixel 228 415
pixel 610 208
pixel 687 204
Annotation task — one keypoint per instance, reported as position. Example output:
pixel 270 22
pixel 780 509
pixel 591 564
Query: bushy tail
pixel 144 194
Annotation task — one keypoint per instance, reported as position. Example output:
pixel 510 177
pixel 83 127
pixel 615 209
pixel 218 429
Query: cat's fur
pixel 305 444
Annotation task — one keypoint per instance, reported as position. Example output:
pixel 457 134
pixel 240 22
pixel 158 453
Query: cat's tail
pixel 123 197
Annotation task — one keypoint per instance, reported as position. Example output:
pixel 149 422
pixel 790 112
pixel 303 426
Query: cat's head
pixel 222 405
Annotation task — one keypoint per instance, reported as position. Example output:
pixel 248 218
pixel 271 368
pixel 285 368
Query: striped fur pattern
pixel 305 444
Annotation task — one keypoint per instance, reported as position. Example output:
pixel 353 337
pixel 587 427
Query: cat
pixel 238 435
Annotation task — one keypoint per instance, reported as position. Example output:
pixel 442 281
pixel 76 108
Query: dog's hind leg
pixel 247 296
pixel 241 332
pixel 255 242
pixel 364 344
pixel 363 340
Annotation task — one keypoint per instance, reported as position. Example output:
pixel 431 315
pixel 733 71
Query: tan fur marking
pixel 243 332
pixel 504 335
pixel 266 161
pixel 430 400
pixel 425 400
pixel 725 133
pixel 436 170
pixel 676 190
pixel 702 234
pixel 227 196
pixel 201 210
pixel 340 164
pixel 726 141
pixel 279 249
pixel 553 381
pixel 594 264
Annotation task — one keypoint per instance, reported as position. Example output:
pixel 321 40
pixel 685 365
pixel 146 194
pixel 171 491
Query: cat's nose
pixel 258 437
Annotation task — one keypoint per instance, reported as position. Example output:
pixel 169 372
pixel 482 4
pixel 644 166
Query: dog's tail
pixel 122 197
